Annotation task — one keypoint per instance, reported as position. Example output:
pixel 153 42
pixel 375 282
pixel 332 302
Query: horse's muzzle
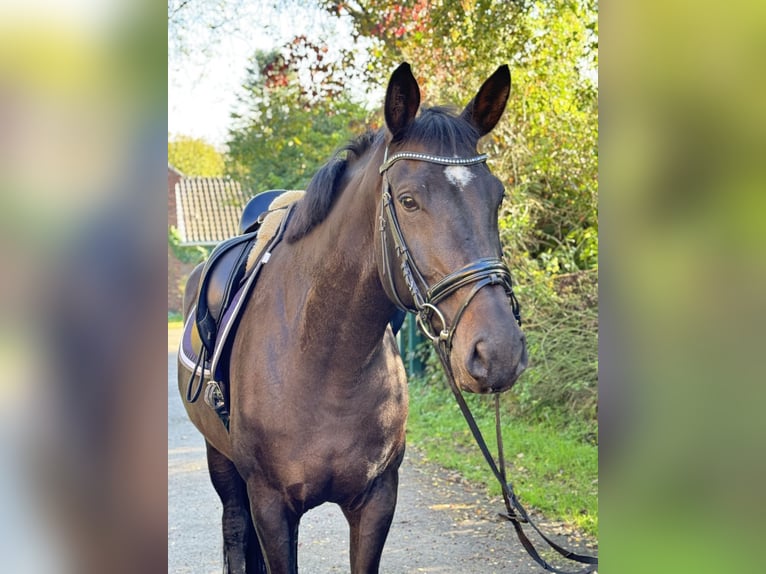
pixel 494 368
pixel 490 350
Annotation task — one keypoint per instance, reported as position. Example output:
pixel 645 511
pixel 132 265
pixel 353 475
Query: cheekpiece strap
pixel 431 159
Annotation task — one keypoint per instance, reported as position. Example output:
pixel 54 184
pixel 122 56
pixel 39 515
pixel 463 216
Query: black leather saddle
pixel 256 209
pixel 224 270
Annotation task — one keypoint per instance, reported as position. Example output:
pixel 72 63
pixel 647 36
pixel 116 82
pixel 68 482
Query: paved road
pixel 441 525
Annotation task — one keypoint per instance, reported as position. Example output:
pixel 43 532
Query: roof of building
pixel 208 209
pixel 175 170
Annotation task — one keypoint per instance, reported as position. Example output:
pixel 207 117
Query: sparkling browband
pixel 431 159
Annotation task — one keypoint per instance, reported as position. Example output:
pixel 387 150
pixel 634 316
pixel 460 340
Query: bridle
pixel 482 272
pixel 425 300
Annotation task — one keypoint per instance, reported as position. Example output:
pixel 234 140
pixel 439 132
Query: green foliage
pixel 441 40
pixel 561 381
pixel 285 146
pixel 195 157
pixel 293 122
pixel 185 254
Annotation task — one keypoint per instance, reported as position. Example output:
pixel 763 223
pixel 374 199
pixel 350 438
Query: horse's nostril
pixel 478 363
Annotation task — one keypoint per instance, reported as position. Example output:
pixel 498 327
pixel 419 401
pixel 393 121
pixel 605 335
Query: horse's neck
pixel 345 295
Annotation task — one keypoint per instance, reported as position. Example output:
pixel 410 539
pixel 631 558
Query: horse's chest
pixel 339 443
pixel 321 434
pixel 326 452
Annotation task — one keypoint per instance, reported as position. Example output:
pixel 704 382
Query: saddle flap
pixel 222 275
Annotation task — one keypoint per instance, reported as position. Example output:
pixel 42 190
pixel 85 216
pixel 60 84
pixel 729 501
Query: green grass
pixel 175 320
pixel 553 470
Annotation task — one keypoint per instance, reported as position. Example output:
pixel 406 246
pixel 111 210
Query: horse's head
pixel 439 252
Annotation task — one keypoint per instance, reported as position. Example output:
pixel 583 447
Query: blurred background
pixel 82 150
pixel 682 371
pixel 676 241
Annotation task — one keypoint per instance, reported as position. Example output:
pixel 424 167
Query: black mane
pixel 436 124
pixel 322 188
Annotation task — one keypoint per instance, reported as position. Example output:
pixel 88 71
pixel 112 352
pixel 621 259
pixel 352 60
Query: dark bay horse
pixel 408 218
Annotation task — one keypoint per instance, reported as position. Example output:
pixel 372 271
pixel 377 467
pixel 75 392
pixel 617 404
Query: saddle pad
pixel 191 345
pixel 271 223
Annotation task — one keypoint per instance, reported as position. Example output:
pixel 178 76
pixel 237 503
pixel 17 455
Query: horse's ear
pixel 402 99
pixel 484 111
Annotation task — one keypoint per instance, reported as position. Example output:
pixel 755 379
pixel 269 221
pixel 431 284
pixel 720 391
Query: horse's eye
pixel 408 202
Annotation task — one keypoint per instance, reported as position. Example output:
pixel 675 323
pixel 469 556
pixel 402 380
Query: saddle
pixel 225 268
pixel 227 277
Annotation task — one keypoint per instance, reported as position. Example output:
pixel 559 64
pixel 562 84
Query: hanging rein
pixel 431 321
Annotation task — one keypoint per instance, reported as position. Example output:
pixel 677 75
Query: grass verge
pixel 552 469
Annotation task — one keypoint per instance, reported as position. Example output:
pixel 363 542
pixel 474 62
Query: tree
pixel 443 41
pixel 195 157
pixel 297 111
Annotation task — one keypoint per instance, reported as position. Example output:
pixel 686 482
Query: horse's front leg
pixel 277 527
pixel 370 523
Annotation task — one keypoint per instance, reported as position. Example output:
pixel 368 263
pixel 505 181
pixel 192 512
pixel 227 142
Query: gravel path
pixel 441 524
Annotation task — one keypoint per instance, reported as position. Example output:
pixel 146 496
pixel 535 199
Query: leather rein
pixel 425 300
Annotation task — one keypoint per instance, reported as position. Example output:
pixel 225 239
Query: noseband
pixel 425 298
